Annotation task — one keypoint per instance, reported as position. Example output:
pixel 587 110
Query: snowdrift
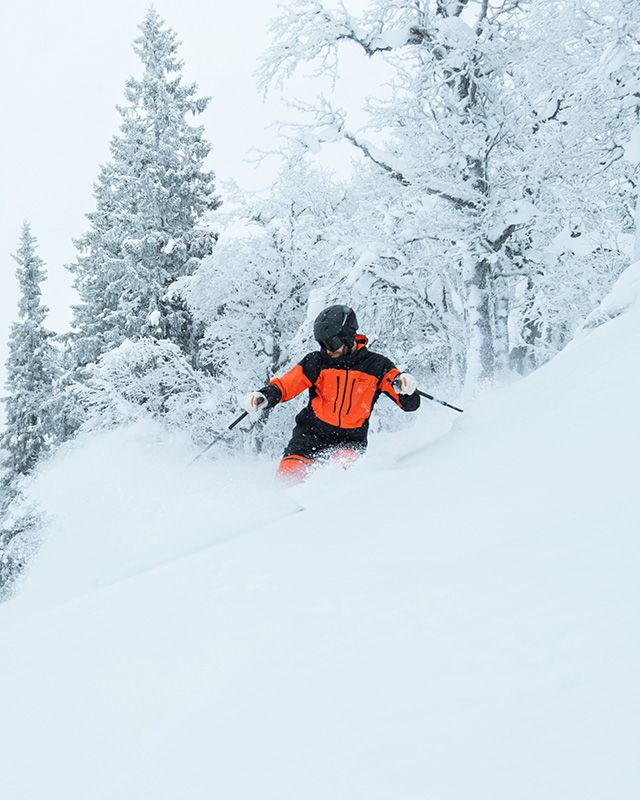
pixel 453 618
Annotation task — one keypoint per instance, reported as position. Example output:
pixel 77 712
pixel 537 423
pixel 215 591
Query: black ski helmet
pixel 335 326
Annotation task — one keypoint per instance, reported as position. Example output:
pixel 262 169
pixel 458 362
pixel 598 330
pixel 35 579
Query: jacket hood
pixel 361 341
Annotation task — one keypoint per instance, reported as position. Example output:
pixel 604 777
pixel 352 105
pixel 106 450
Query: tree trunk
pixel 526 357
pixel 480 363
pixel 501 332
pixel 636 242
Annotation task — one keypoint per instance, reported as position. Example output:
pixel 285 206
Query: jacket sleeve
pixel 407 402
pixel 292 383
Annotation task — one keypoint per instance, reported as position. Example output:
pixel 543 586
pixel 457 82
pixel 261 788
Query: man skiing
pixel 344 379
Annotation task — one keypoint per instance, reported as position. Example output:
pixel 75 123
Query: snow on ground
pixel 126 501
pixel 455 617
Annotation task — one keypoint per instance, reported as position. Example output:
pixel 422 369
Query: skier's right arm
pixel 292 383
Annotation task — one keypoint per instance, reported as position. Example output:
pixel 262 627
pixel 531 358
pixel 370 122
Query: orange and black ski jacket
pixel 342 391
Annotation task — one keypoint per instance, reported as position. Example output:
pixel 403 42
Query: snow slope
pixel 455 617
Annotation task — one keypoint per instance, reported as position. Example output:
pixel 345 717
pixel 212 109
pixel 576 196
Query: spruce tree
pixel 30 367
pixel 150 199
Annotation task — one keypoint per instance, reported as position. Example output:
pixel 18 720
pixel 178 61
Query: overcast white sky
pixel 65 65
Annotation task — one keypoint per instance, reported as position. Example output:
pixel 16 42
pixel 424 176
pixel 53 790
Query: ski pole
pixel 210 445
pixel 442 402
pixel 239 419
pixel 395 383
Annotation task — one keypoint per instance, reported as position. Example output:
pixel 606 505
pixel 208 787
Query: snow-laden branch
pixel 365 150
pixel 330 126
pixel 500 241
pixel 305 31
pixel 458 202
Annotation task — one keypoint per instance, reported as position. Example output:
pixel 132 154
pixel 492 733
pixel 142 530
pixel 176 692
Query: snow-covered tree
pixel 19 521
pixel 252 293
pixel 147 230
pixel 620 66
pixel 491 167
pixel 30 367
pixel 147 379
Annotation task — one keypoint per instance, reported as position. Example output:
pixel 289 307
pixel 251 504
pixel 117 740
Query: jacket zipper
pixel 353 383
pixel 344 395
pixel 335 402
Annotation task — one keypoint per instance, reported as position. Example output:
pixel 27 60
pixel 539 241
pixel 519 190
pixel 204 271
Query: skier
pixel 344 380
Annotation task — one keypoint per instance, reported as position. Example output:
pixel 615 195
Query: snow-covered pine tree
pixel 30 368
pixel 146 231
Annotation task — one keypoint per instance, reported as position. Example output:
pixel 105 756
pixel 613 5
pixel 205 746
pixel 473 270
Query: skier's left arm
pixel 406 395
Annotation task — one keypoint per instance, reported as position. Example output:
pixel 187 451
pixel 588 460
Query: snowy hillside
pixel 455 618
